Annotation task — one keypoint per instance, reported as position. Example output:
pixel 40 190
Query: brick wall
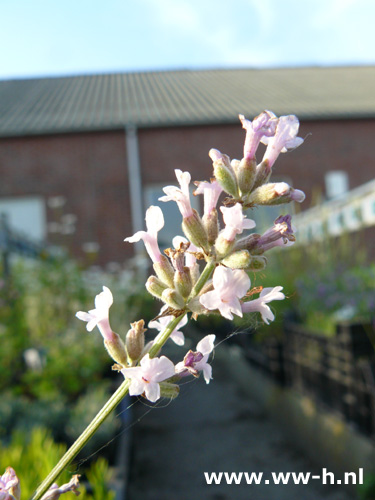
pixel 329 145
pixel 90 169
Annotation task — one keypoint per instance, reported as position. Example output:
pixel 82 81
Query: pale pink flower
pixel 229 286
pixel 55 491
pixel 262 125
pixel 195 362
pixel 160 324
pixel 180 196
pixel 235 221
pixel 260 305
pixel 211 192
pixel 9 485
pixel 297 195
pixel 285 138
pixel 281 242
pixel 154 222
pixel 100 315
pixel 215 154
pixel 146 377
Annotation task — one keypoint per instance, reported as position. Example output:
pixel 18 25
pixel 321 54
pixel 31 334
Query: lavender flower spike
pixel 10 485
pixel 55 491
pixel 154 222
pixel 229 286
pixel 211 192
pixel 285 138
pixel 100 315
pixel 262 125
pixel 235 221
pixel 260 305
pixel 180 196
pixel 146 377
pixel 195 362
pixel 177 336
pixel 280 234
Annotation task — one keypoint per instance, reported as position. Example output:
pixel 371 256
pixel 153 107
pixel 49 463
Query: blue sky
pixel 43 37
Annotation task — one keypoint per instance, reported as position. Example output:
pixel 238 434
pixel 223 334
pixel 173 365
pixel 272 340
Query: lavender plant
pixel 222 287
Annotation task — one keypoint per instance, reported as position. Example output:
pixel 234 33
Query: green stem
pixel 83 438
pixel 121 392
pixel 163 336
pixel 203 278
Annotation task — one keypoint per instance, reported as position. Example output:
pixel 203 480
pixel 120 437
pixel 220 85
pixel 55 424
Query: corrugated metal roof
pixel 154 99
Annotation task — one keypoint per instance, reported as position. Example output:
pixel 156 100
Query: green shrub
pixel 37 312
pixel 33 457
pixel 69 381
pixel 324 282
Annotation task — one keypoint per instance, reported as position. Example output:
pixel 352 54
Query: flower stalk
pixel 77 446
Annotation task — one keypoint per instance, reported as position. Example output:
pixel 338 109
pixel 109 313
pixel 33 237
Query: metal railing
pixel 351 211
pixel 337 372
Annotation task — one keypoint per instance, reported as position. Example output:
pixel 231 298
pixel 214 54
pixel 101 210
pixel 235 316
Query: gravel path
pixel 214 428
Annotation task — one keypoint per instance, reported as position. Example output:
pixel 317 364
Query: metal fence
pixel 337 372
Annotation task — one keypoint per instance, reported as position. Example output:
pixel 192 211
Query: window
pixel 25 215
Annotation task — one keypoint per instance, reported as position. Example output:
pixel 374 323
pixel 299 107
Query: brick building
pixel 106 144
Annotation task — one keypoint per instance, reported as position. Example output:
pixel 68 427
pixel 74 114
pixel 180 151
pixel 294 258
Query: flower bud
pixel 262 174
pixel 116 348
pixel 194 273
pixel 55 491
pixel 168 390
pixel 10 488
pixel 258 263
pixel 155 286
pixel 183 282
pixel 164 271
pixel 248 243
pixel 196 307
pixel 246 175
pixel 195 231
pixel 211 224
pixel 275 194
pixel 223 246
pixel 135 340
pixel 224 173
pixel 237 260
pixel 235 164
pixel 280 234
pixel 173 299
